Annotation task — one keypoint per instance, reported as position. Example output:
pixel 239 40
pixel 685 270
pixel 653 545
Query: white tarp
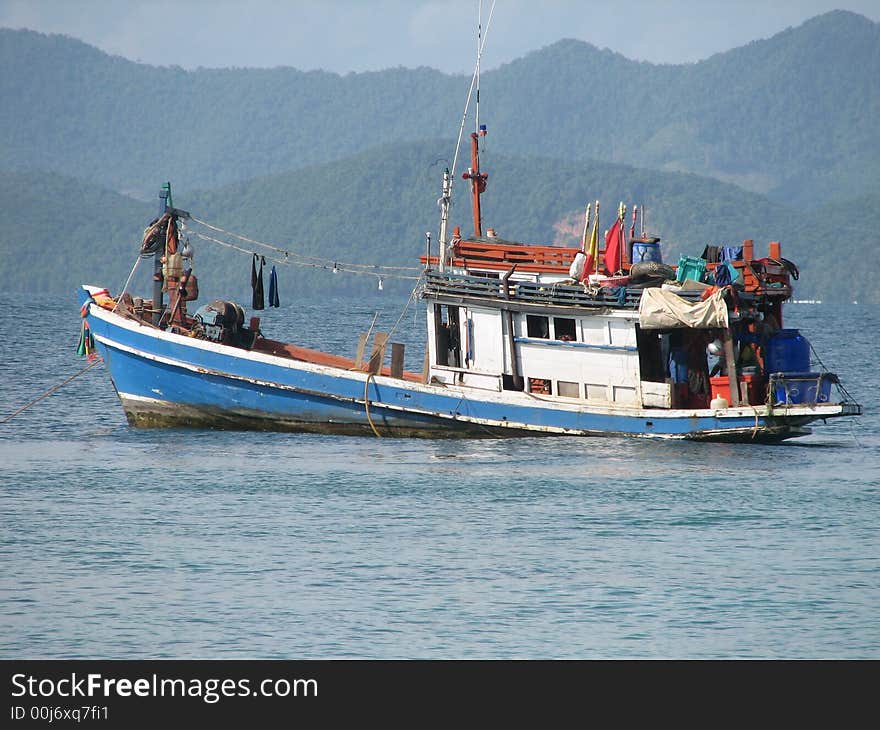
pixel 662 309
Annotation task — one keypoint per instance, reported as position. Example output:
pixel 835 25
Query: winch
pixel 223 321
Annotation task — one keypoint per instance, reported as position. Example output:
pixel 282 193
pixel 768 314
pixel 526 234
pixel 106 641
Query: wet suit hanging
pixel 273 288
pixel 257 283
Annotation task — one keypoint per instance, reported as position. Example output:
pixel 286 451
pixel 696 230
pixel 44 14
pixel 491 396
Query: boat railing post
pixel 361 348
pixel 397 349
pixel 377 356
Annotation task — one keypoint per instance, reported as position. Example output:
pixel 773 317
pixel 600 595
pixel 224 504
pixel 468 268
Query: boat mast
pixel 165 205
pixel 478 180
pixel 444 202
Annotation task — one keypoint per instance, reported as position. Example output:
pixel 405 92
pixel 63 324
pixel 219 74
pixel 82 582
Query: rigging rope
pixel 290 254
pixel 127 282
pixel 326 264
pixel 825 368
pixel 409 301
pixel 470 94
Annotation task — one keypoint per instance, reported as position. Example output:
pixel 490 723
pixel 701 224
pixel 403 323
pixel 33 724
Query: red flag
pixel 613 247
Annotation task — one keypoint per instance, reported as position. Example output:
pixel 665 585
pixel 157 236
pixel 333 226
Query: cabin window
pixel 538 326
pixel 539 386
pixel 508 383
pixel 567 389
pixel 448 335
pixel 596 391
pixel 564 329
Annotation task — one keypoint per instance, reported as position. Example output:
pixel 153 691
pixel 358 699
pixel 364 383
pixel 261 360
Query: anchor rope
pixel 51 390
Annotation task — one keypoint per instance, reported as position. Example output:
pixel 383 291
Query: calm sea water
pixel 117 543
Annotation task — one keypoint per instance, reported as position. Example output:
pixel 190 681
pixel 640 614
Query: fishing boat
pixel 521 340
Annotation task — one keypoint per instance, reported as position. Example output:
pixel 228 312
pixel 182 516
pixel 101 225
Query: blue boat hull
pixel 165 379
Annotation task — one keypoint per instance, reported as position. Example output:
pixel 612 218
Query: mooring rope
pixel 51 390
pixel 367 405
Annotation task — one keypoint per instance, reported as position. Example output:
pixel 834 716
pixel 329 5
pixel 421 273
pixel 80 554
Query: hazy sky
pixel 346 35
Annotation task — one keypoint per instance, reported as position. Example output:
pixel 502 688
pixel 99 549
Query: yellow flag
pixel 593 252
pixel 586 227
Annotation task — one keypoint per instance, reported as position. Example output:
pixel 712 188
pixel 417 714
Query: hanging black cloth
pixel 273 288
pixel 711 254
pixel 257 283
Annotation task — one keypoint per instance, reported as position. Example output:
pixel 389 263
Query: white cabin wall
pixel 601 364
pixel 596 362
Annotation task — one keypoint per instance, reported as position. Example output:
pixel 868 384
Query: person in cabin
pixel 747 357
pixel 697 371
pixel 449 337
pixel 715 349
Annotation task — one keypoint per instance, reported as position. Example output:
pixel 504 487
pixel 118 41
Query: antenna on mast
pixel 474 176
pixel 479 53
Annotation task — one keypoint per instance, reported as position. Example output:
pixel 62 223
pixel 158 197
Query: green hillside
pixel 58 232
pixel 375 208
pixel 793 116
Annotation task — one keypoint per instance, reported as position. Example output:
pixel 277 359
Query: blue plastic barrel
pixel 787 352
pixel 643 252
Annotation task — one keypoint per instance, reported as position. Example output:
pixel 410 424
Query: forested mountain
pixel 57 233
pixel 374 208
pixel 794 116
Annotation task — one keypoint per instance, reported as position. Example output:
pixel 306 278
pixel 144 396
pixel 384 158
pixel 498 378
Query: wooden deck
pixel 316 357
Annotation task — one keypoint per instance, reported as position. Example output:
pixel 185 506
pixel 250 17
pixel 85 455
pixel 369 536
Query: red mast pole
pixel 478 182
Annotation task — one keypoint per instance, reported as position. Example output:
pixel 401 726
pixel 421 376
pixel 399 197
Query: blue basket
pixel 692 268
pixel 645 252
pixel 802 388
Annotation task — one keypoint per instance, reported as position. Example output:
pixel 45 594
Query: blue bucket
pixel 787 351
pixel 643 252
